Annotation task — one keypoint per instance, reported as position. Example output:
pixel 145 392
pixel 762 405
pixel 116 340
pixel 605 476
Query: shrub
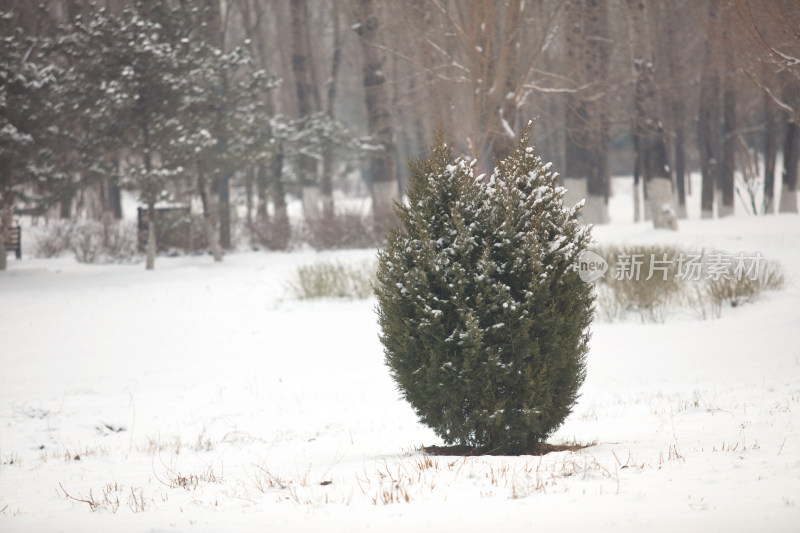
pixel 97 242
pixel 53 240
pixel 180 233
pixel 651 296
pixel 89 242
pixel 737 290
pixel 332 280
pixel 347 229
pixel 272 234
pixel 484 319
pixel 656 298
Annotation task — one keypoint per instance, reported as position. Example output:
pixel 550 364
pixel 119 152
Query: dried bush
pixel 669 290
pixel 98 242
pixel 332 280
pixel 737 290
pixel 53 240
pixel 651 290
pixel 177 232
pixel 341 230
pixel 273 234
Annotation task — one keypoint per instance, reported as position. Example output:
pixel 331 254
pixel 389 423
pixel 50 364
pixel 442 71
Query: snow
pixel 507 127
pixel 12 134
pixel 206 392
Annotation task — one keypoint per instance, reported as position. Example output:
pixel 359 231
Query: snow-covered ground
pixel 201 397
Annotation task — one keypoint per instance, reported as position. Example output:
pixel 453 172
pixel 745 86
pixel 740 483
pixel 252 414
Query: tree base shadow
pixel 538 449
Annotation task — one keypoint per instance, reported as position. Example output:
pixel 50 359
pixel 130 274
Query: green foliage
pixel 31 143
pixel 484 319
pixel 147 81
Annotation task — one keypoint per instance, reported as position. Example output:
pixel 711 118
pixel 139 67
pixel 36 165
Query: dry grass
pixel 109 500
pixel 738 291
pixel 652 298
pixel 76 453
pixel 332 280
pixel 190 481
pixel 392 481
pixel 658 288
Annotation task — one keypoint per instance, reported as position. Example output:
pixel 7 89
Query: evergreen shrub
pixel 484 319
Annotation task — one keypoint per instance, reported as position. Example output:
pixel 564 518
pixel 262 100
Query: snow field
pixel 200 397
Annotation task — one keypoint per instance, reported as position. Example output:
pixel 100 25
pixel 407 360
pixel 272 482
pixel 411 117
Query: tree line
pixel 248 102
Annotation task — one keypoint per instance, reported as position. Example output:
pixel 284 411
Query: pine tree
pixel 147 83
pixel 484 319
pixel 32 145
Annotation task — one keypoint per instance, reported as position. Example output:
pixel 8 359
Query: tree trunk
pixel 597 59
pixel 224 208
pixel 597 65
pixel 770 154
pixel 586 141
pixel 653 162
pixel 675 105
pixel 209 217
pixel 329 156
pixel 791 96
pixel 728 167
pixel 282 229
pixel 6 221
pixel 382 164
pixel 708 124
pixel 151 235
pixel 115 194
pixel 680 170
pixel 637 190
pixel 503 109
pixel 576 154
pixel 326 188
pixel 150 196
pixel 648 131
pixel 216 36
pixel 789 187
pixel 421 18
pixel 262 192
pixel 659 194
pixel 66 199
pixel 576 119
pixel 250 177
pixel 307 102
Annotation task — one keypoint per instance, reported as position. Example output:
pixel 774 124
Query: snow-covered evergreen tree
pixel 484 318
pixel 223 123
pixel 147 84
pixel 31 144
pixel 133 71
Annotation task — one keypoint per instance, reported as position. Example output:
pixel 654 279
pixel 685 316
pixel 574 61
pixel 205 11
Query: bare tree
pixel 328 156
pixel 760 40
pixel 674 74
pixel 383 168
pixel 650 144
pixel 770 153
pixel 708 131
pixel 308 102
pixel 791 95
pixel 215 197
pixel 729 133
pixel 588 50
pixel 259 27
pixel 479 63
